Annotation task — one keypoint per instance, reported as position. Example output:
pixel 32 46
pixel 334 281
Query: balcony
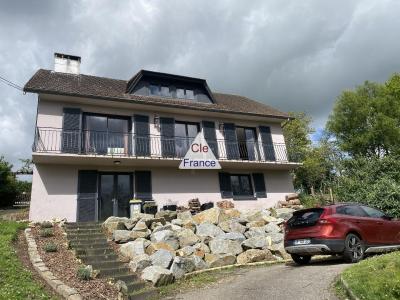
pixel 55 141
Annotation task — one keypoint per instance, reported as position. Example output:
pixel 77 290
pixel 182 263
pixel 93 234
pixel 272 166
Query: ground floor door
pixel 115 191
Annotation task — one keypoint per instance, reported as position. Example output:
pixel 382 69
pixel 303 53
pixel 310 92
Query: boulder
pixel 218 260
pixel 211 215
pixel 258 223
pixel 279 251
pixel 140 226
pixel 162 258
pixel 271 219
pixel 187 238
pixel 122 236
pixel 201 249
pixel 131 249
pixel 232 226
pixel 149 221
pixel 155 225
pixel 221 246
pixel 275 237
pixel 114 223
pixel 140 234
pixel 208 230
pixel 176 228
pixel 168 215
pixel 163 227
pixel 189 224
pixel 130 223
pixel 234 236
pixel 154 247
pixel 272 227
pixel 284 213
pixel 251 255
pixel 228 214
pixel 185 215
pixel 185 251
pixel 167 236
pixel 254 232
pixel 142 216
pixel 178 222
pixel 181 266
pixel 252 215
pixel 139 263
pixel 158 275
pixel 257 242
pixel 199 263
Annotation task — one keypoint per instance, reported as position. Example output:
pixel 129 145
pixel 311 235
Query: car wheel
pixel 353 249
pixel 301 259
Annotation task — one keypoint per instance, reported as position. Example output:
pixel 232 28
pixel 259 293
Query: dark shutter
pixel 225 185
pixel 210 136
pixel 143 185
pixel 268 146
pixel 250 143
pixel 142 135
pixel 167 137
pixel 71 132
pixel 231 143
pixel 87 196
pixel 259 185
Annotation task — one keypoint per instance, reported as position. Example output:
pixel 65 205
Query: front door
pixel 115 191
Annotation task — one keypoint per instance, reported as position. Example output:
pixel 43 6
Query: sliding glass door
pixel 185 133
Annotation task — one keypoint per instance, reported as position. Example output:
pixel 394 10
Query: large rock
pixel 154 247
pixel 228 214
pixel 189 224
pixel 234 236
pixel 139 263
pixel 219 260
pixel 232 226
pixel 158 275
pixel 140 226
pixel 211 215
pixel 140 234
pixel 224 246
pixel 279 251
pixel 163 227
pixel 275 237
pixel 284 213
pixel 162 258
pixel 168 215
pixel 185 251
pixel 142 216
pixel 131 249
pixel 130 223
pixel 178 222
pixel 167 236
pixel 258 223
pixel 114 223
pixel 254 255
pixel 200 249
pixel 208 230
pixel 272 227
pixel 254 232
pixel 182 265
pixel 258 242
pixel 151 221
pixel 199 263
pixel 185 215
pixel 122 236
pixel 187 238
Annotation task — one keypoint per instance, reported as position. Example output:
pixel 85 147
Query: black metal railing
pixel 82 142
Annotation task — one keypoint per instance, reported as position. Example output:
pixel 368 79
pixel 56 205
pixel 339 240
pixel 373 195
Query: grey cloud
pixel 294 55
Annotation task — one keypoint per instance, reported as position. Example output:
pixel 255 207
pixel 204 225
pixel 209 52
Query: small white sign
pixel 199 155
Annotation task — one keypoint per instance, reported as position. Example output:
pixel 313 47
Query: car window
pixel 372 212
pixel 351 210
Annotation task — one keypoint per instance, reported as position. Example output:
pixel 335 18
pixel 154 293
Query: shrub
pixel 50 247
pixel 47 232
pixel 309 201
pixel 84 273
pixel 46 224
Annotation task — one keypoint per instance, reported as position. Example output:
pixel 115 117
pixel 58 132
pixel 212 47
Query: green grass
pixel 15 281
pixel 376 278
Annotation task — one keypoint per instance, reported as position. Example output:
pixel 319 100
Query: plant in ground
pixel 375 278
pixel 16 282
pixel 47 232
pixel 50 247
pixel 84 273
pixel 46 224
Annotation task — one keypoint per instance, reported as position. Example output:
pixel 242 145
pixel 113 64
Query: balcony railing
pixel 54 140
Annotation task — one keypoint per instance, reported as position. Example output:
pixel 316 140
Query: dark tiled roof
pixel 45 81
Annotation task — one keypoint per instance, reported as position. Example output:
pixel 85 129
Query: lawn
pixel 15 281
pixel 376 278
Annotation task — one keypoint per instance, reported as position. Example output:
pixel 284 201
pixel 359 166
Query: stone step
pixel 108 265
pixel 134 286
pixel 127 278
pixel 82 225
pixel 113 272
pixel 89 244
pixel 151 293
pixel 84 231
pixel 93 236
pixel 100 250
pixel 88 259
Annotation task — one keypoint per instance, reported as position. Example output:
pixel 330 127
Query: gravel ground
pixel 278 282
pixel 64 266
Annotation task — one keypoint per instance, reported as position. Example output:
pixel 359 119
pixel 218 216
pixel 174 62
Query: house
pixel 100 142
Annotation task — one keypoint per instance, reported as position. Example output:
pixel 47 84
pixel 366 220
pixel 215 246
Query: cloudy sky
pixel 294 55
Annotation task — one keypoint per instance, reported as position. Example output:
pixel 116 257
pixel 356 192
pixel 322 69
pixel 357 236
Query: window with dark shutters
pixel 268 146
pixel 87 196
pixel 142 135
pixel 259 185
pixel 143 185
pixel 225 185
pixel 167 137
pixel 210 136
pixel 71 132
pixel 231 143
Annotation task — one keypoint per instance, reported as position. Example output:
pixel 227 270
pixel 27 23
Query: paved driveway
pixel 313 281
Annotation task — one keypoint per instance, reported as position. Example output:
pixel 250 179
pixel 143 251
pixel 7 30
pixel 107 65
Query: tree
pixel 8 189
pixel 366 121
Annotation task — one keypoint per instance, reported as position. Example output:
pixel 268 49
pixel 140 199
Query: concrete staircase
pixel 91 246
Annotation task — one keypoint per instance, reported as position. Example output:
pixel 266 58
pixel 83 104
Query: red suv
pixel 348 229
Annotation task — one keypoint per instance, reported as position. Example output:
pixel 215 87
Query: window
pixel 372 212
pixel 241 186
pixel 180 93
pixel 165 92
pixel 185 133
pixel 351 210
pixel 305 218
pixel 189 94
pixel 154 89
pixel 184 93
